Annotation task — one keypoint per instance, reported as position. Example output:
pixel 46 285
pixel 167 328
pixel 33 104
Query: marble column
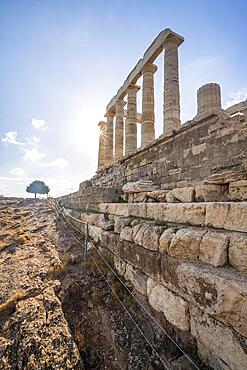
pixel 147 126
pixel 131 120
pixel 171 85
pixel 109 139
pixel 102 145
pixel 119 129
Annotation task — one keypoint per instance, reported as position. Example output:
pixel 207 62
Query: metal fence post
pixel 86 242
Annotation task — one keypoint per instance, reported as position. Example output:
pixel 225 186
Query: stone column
pixel 131 120
pixel 109 139
pixel 119 129
pixel 147 126
pixel 208 97
pixel 171 85
pixel 102 145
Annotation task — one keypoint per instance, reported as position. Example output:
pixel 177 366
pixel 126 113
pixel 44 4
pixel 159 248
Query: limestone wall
pixel 212 151
pixel 189 262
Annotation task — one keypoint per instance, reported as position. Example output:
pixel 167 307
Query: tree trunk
pixel 35 195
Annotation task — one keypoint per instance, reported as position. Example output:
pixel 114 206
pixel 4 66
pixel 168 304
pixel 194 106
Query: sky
pixel 61 62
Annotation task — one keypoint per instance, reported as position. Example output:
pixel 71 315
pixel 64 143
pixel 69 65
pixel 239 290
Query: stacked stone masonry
pixel 188 260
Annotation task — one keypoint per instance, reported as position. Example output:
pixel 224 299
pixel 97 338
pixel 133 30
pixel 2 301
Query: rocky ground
pixel 57 311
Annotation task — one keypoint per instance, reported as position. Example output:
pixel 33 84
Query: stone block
pixel 137 279
pixel 219 339
pixel 127 234
pixel 110 240
pixel 185 195
pixel 174 308
pixel 95 233
pixel 138 233
pixel 139 186
pixel 213 248
pixel 139 197
pixel 238 190
pixel 170 198
pixel 120 223
pixel 141 258
pixel 220 293
pixel 238 252
pixel 151 237
pixel 165 239
pixel 180 213
pixel 210 193
pixel 158 195
pixel 186 243
pixel 229 216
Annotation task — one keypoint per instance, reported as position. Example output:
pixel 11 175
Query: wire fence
pixel 61 211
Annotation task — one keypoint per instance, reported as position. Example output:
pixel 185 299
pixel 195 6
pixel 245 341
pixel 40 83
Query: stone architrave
pixel 102 145
pixel 171 85
pixel 131 120
pixel 109 138
pixel 147 126
pixel 119 129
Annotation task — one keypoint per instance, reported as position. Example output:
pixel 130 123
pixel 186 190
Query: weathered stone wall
pixel 212 151
pixel 189 262
pixel 174 217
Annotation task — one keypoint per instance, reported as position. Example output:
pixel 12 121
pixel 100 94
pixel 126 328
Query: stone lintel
pixel 149 56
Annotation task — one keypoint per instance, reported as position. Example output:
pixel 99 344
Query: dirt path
pixel 57 311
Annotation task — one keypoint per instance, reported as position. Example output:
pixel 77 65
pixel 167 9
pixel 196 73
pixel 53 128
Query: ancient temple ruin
pixel 174 210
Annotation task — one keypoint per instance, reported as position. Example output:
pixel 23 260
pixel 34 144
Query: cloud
pixel 58 163
pixel 237 97
pixel 33 155
pixel 17 172
pixel 33 141
pixel 39 124
pixel 10 138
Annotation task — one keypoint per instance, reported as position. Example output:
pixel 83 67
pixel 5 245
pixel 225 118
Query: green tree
pixel 38 187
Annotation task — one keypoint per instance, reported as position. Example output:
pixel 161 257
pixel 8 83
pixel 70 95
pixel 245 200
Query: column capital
pixel 149 67
pixel 102 124
pixel 120 103
pixel 172 39
pixel 109 114
pixel 133 89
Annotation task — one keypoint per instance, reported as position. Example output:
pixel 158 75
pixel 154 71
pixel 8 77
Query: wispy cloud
pixel 39 124
pixel 17 172
pixel 237 97
pixel 11 138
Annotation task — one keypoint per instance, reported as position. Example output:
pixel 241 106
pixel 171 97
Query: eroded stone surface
pixel 219 339
pixel 165 239
pixel 238 190
pixel 210 193
pixel 186 242
pixel 213 248
pixel 221 294
pixel 238 252
pixel 172 306
pixel 139 186
pixel 183 194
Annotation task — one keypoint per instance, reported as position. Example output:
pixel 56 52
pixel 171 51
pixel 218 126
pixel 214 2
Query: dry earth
pixel 57 311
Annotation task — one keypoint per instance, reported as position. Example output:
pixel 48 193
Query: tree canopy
pixel 38 187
